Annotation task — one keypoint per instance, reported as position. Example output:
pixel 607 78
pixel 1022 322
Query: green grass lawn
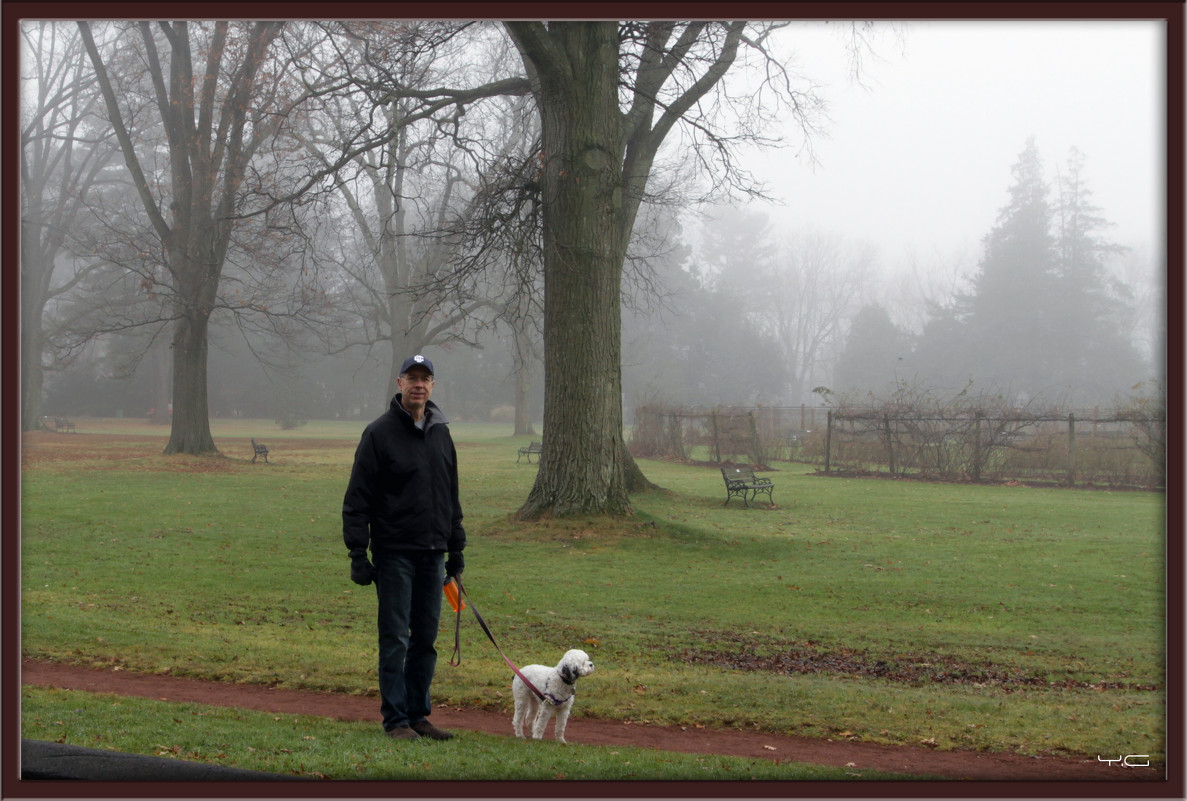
pixel 982 617
pixel 306 747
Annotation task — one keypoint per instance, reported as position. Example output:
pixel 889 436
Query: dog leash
pixel 457 645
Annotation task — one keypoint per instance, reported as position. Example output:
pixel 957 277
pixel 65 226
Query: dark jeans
pixel 408 584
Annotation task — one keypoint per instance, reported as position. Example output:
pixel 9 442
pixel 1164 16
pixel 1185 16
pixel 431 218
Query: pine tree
pixel 1011 333
pixel 873 353
pixel 1097 358
pixel 1042 319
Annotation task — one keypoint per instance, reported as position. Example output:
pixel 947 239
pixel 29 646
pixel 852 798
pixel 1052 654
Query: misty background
pixel 972 205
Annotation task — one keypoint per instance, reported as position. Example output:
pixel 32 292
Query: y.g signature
pixel 1129 760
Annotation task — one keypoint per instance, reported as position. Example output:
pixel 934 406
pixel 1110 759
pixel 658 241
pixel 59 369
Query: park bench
pixel 742 482
pixel 260 450
pixel 536 448
pixel 63 424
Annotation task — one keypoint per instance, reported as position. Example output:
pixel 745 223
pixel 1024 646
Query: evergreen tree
pixel 873 355
pixel 942 354
pixel 1042 318
pixel 734 241
pixel 1097 356
pixel 1010 332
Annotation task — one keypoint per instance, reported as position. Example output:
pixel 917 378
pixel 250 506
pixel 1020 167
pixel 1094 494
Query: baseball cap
pixel 417 361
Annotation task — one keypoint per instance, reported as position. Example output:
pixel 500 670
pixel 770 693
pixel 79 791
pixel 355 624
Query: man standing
pixel 402 500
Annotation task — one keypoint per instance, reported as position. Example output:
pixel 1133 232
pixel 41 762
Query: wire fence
pixel 1112 447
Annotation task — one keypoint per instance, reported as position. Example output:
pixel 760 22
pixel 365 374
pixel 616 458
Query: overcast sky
pixel 919 158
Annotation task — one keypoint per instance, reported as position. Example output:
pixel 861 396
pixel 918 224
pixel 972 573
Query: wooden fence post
pixel 676 435
pixel 828 442
pixel 977 447
pixel 1071 449
pixel 756 449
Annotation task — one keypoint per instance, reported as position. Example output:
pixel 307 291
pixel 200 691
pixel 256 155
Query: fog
pixel 918 153
pixel 888 205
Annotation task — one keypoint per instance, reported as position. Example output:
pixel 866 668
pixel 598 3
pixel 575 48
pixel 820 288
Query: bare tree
pixel 801 288
pixel 497 253
pixel 215 121
pixel 813 289
pixel 401 152
pixel 394 199
pixel 408 204
pixel 63 154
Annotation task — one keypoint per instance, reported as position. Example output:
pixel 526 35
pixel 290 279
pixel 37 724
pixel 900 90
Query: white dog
pixel 557 685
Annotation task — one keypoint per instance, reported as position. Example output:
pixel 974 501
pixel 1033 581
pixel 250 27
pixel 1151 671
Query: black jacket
pixel 403 490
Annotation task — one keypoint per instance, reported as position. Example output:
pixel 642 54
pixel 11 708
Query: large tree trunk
pixel 581 468
pixel 523 414
pixel 408 334
pixel 632 475
pixel 161 364
pixel 523 381
pixel 197 280
pixel 31 346
pixel 190 431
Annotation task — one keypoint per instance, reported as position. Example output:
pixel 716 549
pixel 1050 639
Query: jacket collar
pixel 433 414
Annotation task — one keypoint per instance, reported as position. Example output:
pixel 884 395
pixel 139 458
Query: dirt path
pixel 964 765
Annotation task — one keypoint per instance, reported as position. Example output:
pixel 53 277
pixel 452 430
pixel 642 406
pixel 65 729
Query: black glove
pixel 455 564
pixel 361 571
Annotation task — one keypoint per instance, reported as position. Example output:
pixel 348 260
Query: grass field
pixel 962 616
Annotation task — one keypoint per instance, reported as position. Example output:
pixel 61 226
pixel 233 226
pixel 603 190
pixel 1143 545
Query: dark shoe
pixel 426 729
pixel 402 733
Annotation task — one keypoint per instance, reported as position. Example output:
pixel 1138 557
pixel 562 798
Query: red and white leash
pixel 457 643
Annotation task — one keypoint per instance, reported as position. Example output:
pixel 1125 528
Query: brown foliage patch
pixel 808 658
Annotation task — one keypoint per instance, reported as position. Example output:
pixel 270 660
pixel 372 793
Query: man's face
pixel 416 386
